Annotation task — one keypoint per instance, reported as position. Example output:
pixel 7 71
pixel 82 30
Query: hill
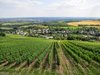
pixel 32 56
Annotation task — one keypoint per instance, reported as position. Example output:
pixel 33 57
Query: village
pixel 60 33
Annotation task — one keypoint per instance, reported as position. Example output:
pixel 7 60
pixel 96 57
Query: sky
pixel 49 8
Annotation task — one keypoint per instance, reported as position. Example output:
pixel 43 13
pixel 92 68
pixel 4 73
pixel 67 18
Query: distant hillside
pixel 45 19
pixel 85 23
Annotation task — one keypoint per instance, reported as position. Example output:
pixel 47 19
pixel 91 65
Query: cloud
pixel 52 8
pixel 20 3
pixel 80 4
pixel 19 8
pixel 75 8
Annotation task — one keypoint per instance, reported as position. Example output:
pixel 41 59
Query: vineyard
pixel 21 55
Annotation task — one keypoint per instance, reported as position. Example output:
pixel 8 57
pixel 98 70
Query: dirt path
pixel 65 65
pixel 11 65
pixel 3 64
pixel 21 65
pixel 43 63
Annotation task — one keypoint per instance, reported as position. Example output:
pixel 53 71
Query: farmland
pixel 35 56
pixel 88 23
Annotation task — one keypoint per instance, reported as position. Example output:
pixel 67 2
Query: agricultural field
pixel 20 55
pixel 87 23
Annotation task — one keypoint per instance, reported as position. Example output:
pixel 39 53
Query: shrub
pixel 2 34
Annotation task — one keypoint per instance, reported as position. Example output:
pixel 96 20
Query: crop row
pixel 92 53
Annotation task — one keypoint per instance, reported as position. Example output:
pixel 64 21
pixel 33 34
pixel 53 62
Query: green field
pixel 20 55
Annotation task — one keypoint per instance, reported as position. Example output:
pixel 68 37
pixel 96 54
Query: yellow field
pixel 88 22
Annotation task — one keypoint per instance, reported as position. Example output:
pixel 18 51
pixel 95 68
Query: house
pixel 46 36
pixel 49 37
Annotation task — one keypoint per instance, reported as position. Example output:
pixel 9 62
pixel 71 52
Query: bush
pixel 78 37
pixel 2 34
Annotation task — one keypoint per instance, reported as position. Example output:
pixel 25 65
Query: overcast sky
pixel 49 8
